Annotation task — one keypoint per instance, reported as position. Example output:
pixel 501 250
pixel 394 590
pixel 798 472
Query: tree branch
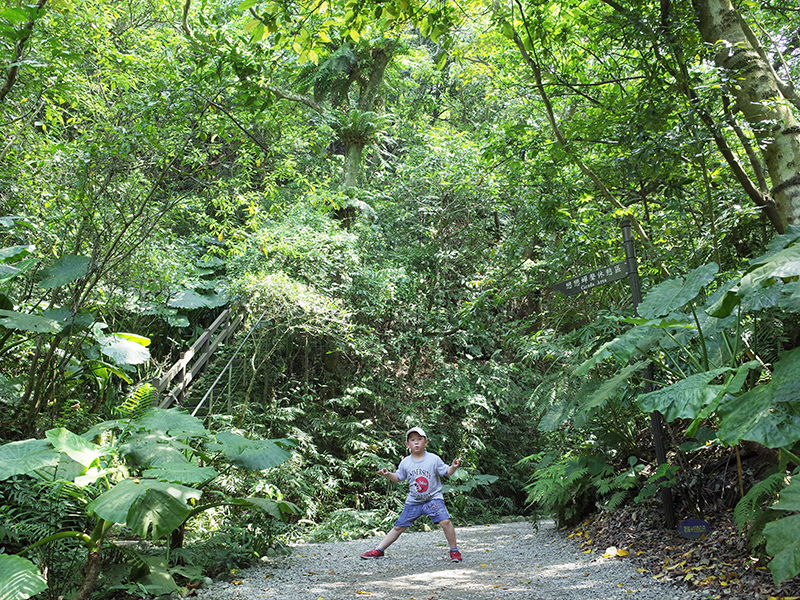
pixel 301 98
pixel 11 76
pixel 585 169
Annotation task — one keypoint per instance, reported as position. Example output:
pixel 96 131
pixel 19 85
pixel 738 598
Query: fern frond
pixel 142 398
pixel 616 500
pixel 751 505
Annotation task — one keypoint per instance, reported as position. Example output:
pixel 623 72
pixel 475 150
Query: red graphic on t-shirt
pixel 422 484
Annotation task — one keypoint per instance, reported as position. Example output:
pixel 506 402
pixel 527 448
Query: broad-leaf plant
pixel 149 474
pixel 709 370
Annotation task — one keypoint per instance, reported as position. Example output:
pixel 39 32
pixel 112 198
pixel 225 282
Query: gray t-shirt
pixel 424 477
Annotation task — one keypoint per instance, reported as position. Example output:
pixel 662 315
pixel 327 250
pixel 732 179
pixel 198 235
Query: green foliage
pixel 138 475
pixel 569 487
pixel 151 174
pixel 20 578
pixel 781 535
pixel 752 512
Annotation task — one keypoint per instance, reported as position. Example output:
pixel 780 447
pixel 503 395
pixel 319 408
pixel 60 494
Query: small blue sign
pixel 694 529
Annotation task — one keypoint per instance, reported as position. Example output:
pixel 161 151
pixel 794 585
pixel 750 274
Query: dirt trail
pixel 507 561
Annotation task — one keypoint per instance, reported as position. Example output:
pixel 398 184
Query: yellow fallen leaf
pixel 622 552
pixel 483 564
pixel 365 593
pixel 641 570
pixel 237 582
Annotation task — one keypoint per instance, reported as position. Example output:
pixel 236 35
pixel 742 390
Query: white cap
pixel 416 430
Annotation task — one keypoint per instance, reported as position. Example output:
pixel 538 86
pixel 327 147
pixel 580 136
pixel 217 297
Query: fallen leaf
pixel 237 582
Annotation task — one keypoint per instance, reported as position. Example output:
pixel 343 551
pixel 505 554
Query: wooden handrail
pixel 201 351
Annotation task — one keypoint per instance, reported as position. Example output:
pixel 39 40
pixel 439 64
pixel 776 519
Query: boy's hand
pixel 384 472
pixel 457 462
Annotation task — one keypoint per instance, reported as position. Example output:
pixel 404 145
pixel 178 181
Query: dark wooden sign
pixel 629 268
pixel 581 283
pixel 694 529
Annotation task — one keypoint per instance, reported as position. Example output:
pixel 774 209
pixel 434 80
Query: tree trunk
pixel 759 98
pixel 351 174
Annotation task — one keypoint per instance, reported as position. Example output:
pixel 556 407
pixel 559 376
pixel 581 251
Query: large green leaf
pixel 789 498
pixel 191 299
pixel 27 456
pixel 153 448
pixel 769 413
pixel 783 544
pixel 123 350
pixel 254 455
pixel 156 513
pixel 173 420
pixel 69 323
pixel 683 399
pixel 14 253
pixel 275 508
pixel 66 269
pixel 187 473
pixel 9 272
pixel 610 387
pixel 675 293
pixel 763 273
pixel 77 448
pixel 115 504
pixel 554 418
pixel 154 574
pixel 11 319
pixel 19 578
pixel 623 348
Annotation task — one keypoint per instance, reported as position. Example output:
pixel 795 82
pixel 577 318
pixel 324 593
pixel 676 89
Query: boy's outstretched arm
pixel 389 475
pixel 452 468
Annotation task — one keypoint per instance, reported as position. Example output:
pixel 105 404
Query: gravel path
pixel 506 561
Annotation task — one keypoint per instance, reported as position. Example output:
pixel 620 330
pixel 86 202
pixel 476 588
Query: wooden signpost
pixel 628 268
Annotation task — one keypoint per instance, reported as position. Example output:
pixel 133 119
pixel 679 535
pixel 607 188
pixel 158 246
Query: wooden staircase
pixel 172 385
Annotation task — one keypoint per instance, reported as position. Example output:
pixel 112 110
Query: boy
pixel 423 471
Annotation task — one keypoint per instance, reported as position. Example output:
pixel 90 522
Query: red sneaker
pixel 455 556
pixel 375 553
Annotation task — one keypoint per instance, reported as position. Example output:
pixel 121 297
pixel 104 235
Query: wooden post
pixel 656 420
pixel 181 377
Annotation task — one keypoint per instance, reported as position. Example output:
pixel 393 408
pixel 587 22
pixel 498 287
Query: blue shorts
pixel 435 509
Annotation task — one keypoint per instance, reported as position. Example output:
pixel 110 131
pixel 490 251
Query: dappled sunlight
pixel 509 561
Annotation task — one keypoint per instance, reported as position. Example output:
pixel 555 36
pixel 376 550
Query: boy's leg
pixel 391 537
pixel 404 521
pixel 449 532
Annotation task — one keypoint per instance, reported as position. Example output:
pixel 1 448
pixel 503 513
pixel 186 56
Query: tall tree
pixel 768 104
pixel 339 55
